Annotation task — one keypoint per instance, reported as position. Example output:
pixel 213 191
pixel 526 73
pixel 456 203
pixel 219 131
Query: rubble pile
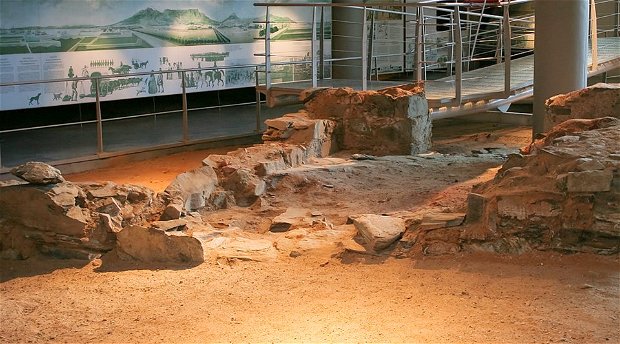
pixel 68 220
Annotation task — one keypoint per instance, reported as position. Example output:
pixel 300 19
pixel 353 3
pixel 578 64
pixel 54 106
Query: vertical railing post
pixel 258 104
pixel 371 43
pixel 593 35
pixel 322 45
pixel 507 38
pixel 418 44
pixel 185 116
pixel 364 51
pixel 313 49
pixel 99 119
pixel 267 49
pixel 499 48
pixel 451 39
pixel 458 72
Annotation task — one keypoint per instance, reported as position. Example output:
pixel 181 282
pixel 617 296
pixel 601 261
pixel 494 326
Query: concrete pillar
pixel 347 40
pixel 560 52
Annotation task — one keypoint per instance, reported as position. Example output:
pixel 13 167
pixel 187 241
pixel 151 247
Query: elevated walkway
pixel 482 89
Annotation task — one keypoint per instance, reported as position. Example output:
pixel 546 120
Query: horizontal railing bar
pixel 82 78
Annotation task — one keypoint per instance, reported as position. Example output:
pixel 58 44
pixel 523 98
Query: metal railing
pixel 432 39
pixel 103 85
pixel 424 41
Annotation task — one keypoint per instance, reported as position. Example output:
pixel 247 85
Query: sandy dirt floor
pixel 538 297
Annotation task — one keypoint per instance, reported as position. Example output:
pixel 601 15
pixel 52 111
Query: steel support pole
pixel 99 119
pixel 267 50
pixel 418 44
pixel 560 53
pixel 593 35
pixel 185 115
pixel 322 45
pixel 458 68
pixel 507 39
pixel 313 49
pixel 364 52
pixel 258 104
pixel 346 40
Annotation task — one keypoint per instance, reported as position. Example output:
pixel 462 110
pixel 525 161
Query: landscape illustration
pixel 138 25
pixel 93 38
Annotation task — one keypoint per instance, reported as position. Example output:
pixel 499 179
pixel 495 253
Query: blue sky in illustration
pixel 23 13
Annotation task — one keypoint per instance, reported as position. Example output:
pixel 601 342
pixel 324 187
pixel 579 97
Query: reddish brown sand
pixel 538 297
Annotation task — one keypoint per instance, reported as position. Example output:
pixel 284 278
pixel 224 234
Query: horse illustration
pixel 35 98
pixel 139 65
pixel 218 77
pixel 58 96
pixel 123 69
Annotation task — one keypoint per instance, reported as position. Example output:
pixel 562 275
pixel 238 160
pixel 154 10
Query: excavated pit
pixel 320 185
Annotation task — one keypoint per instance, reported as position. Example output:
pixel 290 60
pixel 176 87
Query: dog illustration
pixel 57 96
pixel 35 98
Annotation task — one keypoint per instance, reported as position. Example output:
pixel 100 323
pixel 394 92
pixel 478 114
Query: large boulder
pixel 156 244
pixel 38 173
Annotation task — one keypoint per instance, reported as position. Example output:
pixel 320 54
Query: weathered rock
pixel 172 211
pixel 156 245
pixel 600 100
pixel 378 231
pixel 386 122
pixel 434 220
pixel 437 248
pixel 47 208
pixel 246 186
pixel 237 247
pixel 38 173
pixel 193 188
pixel 290 219
pixel 589 181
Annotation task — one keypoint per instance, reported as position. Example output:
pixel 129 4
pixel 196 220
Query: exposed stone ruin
pixel 600 100
pixel 392 121
pixel 79 220
pixel 562 192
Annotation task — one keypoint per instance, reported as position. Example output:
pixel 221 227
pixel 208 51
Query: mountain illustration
pixel 233 20
pixel 152 17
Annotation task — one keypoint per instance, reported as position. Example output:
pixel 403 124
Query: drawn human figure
pixel 74 86
pixel 70 73
pixel 152 83
pixel 160 81
pixel 85 74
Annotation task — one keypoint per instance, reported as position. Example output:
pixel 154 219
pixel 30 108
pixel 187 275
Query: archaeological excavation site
pixel 336 171
pixel 355 213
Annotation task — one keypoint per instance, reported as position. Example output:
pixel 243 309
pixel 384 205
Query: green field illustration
pixel 147 28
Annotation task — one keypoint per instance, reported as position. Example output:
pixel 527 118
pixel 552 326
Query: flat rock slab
pixel 155 245
pixel 441 220
pixel 241 248
pixel 288 220
pixel 379 231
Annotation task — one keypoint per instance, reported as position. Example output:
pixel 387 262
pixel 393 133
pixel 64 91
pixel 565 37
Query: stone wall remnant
pixel 392 121
pixel 564 195
pixel 600 100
